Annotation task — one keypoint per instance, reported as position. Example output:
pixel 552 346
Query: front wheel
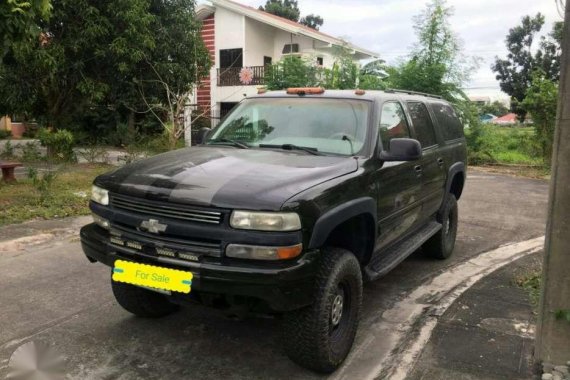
pixel 320 336
pixel 441 245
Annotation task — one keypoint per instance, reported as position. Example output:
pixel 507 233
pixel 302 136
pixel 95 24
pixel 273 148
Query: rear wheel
pixel 142 302
pixel 441 245
pixel 320 336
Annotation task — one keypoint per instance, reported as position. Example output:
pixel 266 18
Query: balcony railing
pixel 230 76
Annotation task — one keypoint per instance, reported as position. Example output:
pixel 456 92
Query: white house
pixel 243 40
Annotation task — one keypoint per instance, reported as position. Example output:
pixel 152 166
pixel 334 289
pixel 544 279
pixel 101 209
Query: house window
pixel 290 48
pixel 320 61
pixel 231 58
pixel 267 61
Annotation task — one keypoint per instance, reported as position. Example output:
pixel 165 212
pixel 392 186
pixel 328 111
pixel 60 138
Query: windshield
pixel 336 126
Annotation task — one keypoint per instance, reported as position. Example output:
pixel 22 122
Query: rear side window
pixel 392 123
pixel 422 124
pixel 450 125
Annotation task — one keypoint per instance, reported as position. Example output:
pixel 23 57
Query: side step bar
pixel 381 264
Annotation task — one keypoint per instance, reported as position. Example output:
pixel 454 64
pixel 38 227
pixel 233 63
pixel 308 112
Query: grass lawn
pixel 69 195
pixel 507 146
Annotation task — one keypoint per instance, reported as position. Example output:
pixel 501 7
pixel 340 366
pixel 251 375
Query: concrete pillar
pixel 553 335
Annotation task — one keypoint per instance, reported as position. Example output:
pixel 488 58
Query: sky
pixel 386 27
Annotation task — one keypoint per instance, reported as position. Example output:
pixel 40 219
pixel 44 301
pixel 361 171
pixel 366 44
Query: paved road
pixel 54 295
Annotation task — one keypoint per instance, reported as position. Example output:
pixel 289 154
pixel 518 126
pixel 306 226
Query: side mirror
pixel 201 135
pixel 402 150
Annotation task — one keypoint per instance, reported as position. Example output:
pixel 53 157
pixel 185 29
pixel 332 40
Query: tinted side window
pixel 393 123
pixel 450 125
pixel 422 124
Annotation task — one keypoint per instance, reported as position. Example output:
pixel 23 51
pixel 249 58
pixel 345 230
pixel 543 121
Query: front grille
pixel 151 244
pixel 168 210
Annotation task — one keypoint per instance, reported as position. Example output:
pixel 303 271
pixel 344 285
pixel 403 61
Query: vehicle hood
pixel 225 177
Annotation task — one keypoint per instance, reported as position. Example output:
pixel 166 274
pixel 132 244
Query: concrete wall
pixel 258 43
pixel 230 31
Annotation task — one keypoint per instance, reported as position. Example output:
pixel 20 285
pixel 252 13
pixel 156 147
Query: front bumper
pixel 284 286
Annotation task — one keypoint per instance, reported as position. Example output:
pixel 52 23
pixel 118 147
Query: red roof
pixel 508 118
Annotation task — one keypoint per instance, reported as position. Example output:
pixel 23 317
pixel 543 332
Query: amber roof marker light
pixel 305 90
pixel 359 92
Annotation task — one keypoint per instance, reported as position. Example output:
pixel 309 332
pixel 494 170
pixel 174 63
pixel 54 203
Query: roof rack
pixel 395 90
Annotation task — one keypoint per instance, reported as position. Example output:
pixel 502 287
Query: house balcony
pixel 230 76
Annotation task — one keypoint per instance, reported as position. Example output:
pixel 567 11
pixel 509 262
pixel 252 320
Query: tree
pixel 541 101
pixel 105 55
pixel 312 21
pixel 496 108
pixel 437 64
pixel 516 70
pixel 19 21
pixel 284 8
pixel 290 9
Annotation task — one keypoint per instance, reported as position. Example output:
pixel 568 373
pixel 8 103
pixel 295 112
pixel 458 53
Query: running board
pixel 384 263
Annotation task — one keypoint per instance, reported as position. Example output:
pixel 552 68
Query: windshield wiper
pixel 310 150
pixel 237 144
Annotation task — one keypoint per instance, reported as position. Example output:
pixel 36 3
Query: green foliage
pixel 291 72
pixel 437 65
pixel 562 315
pixel 284 8
pixel 106 55
pixel 530 282
pixel 8 152
pixel 68 195
pixel 488 144
pixel 19 19
pixel 516 71
pixel 31 152
pixel 4 134
pixel 289 9
pixel 541 101
pixel 43 183
pixel 496 108
pixel 312 21
pixel 345 74
pixel 59 144
pixel 94 154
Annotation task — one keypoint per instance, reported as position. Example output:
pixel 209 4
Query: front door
pixel 398 183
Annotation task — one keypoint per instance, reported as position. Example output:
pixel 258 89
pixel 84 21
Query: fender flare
pixel 458 167
pixel 340 214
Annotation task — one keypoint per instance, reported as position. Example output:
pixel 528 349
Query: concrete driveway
pixel 53 294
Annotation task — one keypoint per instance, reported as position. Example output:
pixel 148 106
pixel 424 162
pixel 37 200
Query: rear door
pixel 432 163
pixel 398 183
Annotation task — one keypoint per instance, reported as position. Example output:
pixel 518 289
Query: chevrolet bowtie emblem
pixel 153 226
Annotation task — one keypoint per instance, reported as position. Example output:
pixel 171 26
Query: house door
pixel 225 108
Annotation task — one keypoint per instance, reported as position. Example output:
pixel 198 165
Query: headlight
pixel 99 195
pixel 265 221
pixel 255 252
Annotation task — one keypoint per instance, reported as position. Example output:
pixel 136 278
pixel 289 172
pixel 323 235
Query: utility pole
pixel 553 334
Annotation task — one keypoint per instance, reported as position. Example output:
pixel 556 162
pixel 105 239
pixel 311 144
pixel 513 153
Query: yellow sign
pixel 151 276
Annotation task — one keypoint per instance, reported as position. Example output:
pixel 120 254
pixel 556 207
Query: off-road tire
pixel 142 302
pixel 310 336
pixel 441 245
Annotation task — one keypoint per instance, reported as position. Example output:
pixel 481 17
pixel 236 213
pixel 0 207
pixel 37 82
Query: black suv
pixel 286 207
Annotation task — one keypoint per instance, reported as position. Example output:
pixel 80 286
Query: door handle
pixel 418 168
pixel 440 161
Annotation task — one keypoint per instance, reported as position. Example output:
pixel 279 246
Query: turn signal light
pixel 305 90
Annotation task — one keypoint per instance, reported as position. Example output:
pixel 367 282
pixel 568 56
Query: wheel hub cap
pixel 336 311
